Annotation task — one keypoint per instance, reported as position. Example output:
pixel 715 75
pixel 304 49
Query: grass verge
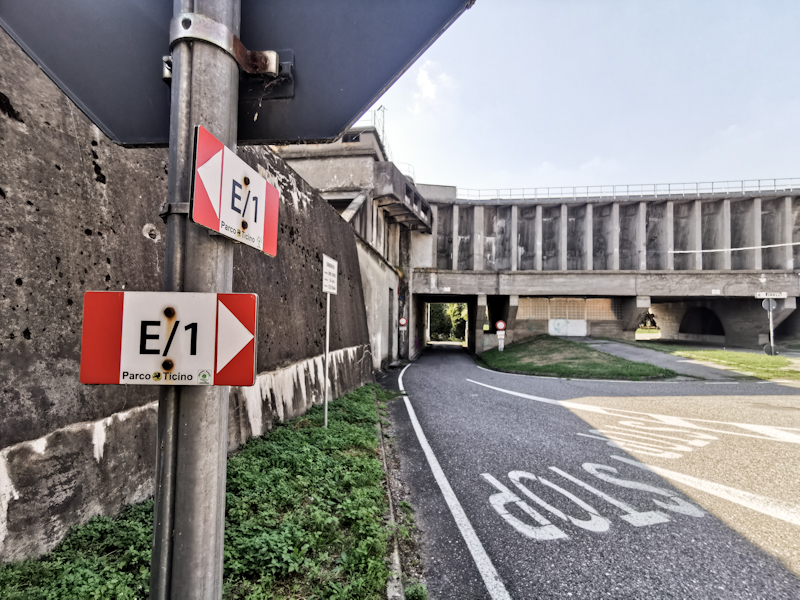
pixel 304 520
pixel 546 355
pixel 761 366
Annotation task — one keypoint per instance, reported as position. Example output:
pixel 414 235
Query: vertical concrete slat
pixel 641 235
pixel 477 238
pixel 538 235
pixel 434 230
pixel 455 237
pixel 696 235
pixel 514 237
pixel 562 238
pixel 614 237
pixel 669 217
pixel 787 252
pixel 757 259
pixel 588 239
pixel 726 234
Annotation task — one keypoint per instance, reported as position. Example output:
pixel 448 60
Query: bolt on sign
pixel 231 198
pixel 169 338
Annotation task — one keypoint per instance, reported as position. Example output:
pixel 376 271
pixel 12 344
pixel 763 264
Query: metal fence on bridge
pixel 645 190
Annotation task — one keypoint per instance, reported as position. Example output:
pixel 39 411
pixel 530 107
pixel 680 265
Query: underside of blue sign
pixel 107 57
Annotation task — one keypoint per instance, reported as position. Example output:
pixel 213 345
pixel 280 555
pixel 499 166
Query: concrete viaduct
pixel 595 261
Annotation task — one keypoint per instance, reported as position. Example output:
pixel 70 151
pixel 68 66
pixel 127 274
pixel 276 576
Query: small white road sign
pixel 500 325
pixel 230 197
pixel 330 274
pixel 168 338
pixel 403 321
pixel 761 295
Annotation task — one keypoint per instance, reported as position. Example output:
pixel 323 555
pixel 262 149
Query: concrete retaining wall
pixel 79 214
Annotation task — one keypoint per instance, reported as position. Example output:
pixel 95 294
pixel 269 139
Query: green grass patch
pixel 761 366
pixel 304 519
pixel 546 355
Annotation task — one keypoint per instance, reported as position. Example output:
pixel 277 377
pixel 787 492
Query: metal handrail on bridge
pixel 646 190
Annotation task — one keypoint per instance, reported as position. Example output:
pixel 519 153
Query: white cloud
pixel 430 81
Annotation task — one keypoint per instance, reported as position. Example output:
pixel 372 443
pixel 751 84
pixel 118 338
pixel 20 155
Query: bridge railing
pixel 644 190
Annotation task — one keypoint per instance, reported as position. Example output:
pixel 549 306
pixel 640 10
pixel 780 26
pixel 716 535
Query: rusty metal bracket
pixel 193 26
pixel 175 208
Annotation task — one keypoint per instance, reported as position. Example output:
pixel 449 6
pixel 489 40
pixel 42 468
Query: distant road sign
pixel 168 338
pixel 771 295
pixel 769 304
pixel 500 325
pixel 330 274
pixel 403 321
pixel 106 56
pixel 230 197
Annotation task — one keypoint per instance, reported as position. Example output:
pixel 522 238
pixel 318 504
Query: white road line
pixel 721 382
pixel 777 509
pixel 575 378
pixel 491 579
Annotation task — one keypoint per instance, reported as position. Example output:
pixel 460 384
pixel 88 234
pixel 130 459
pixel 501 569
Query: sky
pixel 542 93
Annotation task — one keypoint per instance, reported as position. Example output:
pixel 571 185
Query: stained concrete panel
pixel 603 237
pixel 527 238
pixel 497 238
pixel 628 237
pixel 551 238
pixel 684 235
pixel 745 233
pixel 772 230
pixel 796 231
pixel 658 243
pixel 576 238
pixel 715 219
pixel 465 229
pixel 444 237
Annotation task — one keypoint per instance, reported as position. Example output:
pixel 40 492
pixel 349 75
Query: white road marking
pixel 777 509
pixel 491 579
pixel 768 432
pixel 545 531
pixel 721 382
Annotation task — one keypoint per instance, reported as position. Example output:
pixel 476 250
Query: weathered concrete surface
pixel 82 214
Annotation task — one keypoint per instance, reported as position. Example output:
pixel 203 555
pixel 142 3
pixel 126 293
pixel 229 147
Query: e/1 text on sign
pixel 169 338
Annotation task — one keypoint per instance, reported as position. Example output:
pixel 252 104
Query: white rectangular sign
pixel 761 295
pixel 501 335
pixel 330 274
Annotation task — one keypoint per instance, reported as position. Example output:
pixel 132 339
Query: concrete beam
pixel 538 232
pixel 726 235
pixel 477 239
pixel 614 237
pixel 757 254
pixel 641 235
pixel 588 239
pixel 455 237
pixel 669 217
pixel 787 254
pixel 696 235
pixel 562 239
pixel 435 228
pixel 514 237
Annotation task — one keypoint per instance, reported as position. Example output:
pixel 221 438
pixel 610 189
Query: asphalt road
pixel 529 487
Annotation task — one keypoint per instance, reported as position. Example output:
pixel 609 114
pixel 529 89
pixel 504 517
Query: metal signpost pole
pixel 190 502
pixel 327 354
pixel 771 333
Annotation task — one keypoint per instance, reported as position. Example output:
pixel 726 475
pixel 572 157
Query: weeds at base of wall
pixel 305 508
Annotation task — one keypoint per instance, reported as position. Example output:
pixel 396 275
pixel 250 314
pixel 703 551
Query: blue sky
pixel 535 93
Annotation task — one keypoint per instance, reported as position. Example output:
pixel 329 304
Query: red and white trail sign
pixel 169 338
pixel 231 198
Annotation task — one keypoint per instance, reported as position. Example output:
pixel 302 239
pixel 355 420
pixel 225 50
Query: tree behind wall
pixel 440 323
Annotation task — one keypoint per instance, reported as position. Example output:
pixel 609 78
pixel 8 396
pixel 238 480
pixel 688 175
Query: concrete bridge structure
pixel 578 261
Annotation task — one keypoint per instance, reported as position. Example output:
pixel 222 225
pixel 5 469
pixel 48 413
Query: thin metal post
pixel 190 488
pixel 771 335
pixel 327 354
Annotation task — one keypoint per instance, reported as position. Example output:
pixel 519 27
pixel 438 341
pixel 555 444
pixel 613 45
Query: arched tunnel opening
pixel 701 320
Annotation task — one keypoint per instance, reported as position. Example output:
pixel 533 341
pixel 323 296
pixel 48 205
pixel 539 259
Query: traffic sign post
pixel 330 277
pixel 501 334
pixel 770 305
pixel 403 323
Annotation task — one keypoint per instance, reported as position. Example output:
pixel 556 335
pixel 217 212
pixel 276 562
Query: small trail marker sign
pixel 330 274
pixel 231 198
pixel 761 295
pixel 169 338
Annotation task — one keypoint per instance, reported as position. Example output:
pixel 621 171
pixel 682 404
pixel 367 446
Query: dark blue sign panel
pixel 106 56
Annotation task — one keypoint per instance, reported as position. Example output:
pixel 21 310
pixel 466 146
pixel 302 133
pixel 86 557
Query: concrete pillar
pixel 633 313
pixel 669 230
pixel 614 237
pixel 538 230
pixel 725 263
pixel 588 239
pixel 757 260
pixel 696 235
pixel 511 320
pixel 787 252
pixel 455 237
pixel 477 239
pixel 434 229
pixel 562 239
pixel 514 237
pixel 641 236
pixel 480 320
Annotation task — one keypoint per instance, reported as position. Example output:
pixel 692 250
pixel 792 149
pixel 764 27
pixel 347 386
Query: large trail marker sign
pixel 168 338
